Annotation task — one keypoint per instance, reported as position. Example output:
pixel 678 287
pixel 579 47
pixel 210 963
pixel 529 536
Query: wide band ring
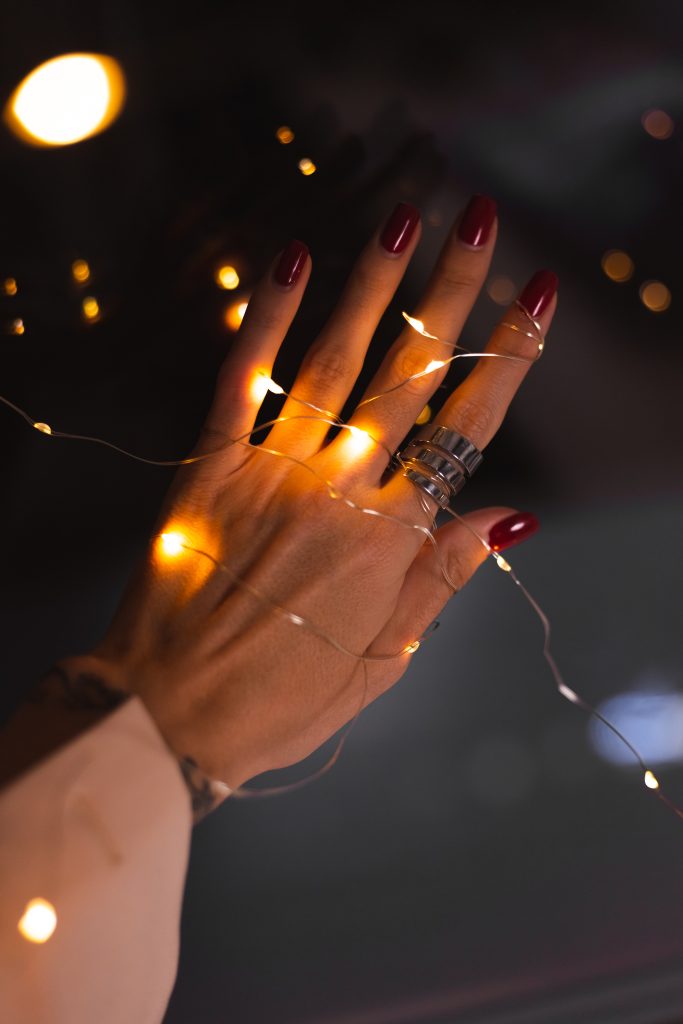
pixel 440 461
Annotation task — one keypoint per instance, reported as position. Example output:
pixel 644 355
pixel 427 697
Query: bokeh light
pixel 652 720
pixel 227 277
pixel 80 271
pixel 66 99
pixel 9 286
pixel 618 265
pixel 38 921
pixel 501 290
pixel 17 326
pixel 655 296
pixel 307 166
pixel 90 308
pixel 284 134
pixel 234 314
pixel 658 124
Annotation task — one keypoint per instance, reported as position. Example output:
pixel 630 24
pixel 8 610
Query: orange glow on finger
pixel 262 384
pixel 356 441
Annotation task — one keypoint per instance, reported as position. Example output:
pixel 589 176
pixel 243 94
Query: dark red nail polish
pixel 399 229
pixel 292 261
pixel 513 530
pixel 477 220
pixel 538 293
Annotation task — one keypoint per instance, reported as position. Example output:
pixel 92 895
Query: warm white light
pixel 307 166
pixel 411 648
pixel 262 384
pixel 9 286
pixel 650 780
pixel 502 563
pixel 618 265
pixel 655 296
pixel 435 364
pixel 172 544
pixel 90 308
pixel 568 693
pixel 358 440
pixel 44 428
pixel 38 921
pixel 17 326
pixel 234 315
pixel 227 278
pixel 67 99
pixel 419 326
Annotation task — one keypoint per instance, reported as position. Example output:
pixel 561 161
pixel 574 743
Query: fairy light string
pixel 176 544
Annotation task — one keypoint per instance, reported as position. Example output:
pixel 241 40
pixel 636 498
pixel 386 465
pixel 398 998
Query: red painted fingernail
pixel 292 262
pixel 538 293
pixel 477 220
pixel 399 229
pixel 513 530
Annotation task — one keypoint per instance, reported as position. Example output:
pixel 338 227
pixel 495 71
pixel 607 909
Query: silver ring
pixel 440 461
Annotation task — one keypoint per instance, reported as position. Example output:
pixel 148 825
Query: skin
pixel 230 682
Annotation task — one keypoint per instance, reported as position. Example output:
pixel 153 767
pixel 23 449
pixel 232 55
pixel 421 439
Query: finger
pixel 455 283
pixel 477 407
pixel 332 365
pixel 243 377
pixel 463 546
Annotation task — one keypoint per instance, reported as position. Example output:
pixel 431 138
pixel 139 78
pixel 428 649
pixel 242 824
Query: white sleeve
pixel 101 830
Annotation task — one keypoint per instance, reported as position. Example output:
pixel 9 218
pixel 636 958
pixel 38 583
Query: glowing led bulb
pixel 568 693
pixel 9 286
pixel 172 544
pixel 38 921
pixel 234 315
pixel 17 326
pixel 307 166
pixel 418 326
pixel 262 384
pixel 284 134
pixel 80 271
pixel 90 308
pixel 358 440
pixel 411 648
pixel 650 780
pixel 502 564
pixel 435 364
pixel 66 99
pixel 227 278
pixel 44 428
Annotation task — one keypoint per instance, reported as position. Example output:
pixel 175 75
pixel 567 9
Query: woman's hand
pixel 230 680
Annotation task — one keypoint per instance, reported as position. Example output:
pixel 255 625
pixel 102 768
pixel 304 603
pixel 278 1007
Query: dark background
pixel 471 857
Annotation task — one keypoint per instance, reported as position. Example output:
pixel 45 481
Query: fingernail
pixel 292 261
pixel 538 293
pixel 399 229
pixel 476 222
pixel 513 530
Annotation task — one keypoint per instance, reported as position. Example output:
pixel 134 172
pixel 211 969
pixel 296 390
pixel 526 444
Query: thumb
pixel 462 547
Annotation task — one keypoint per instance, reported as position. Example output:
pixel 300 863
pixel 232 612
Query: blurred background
pixel 481 852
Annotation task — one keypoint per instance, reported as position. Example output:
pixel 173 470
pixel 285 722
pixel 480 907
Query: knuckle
pixel 475 419
pixel 367 284
pixel 457 277
pixel 405 364
pixel 329 366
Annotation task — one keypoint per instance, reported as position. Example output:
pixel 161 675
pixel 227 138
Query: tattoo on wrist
pixel 83 691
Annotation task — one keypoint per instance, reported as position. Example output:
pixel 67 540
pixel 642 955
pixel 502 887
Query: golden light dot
pixel 655 296
pixel 435 364
pixel 617 265
pixel 9 286
pixel 307 166
pixel 234 314
pixel 66 99
pixel 38 921
pixel 17 326
pixel 501 290
pixel 502 563
pixel 411 648
pixel 80 271
pixel 650 780
pixel 90 308
pixel 425 416
pixel 227 278
pixel 284 134
pixel 262 384
pixel 418 326
pixel 44 428
pixel 568 693
pixel 658 124
pixel 172 544
pixel 358 440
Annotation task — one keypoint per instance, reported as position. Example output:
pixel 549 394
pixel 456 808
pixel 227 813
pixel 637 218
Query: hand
pixel 231 681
